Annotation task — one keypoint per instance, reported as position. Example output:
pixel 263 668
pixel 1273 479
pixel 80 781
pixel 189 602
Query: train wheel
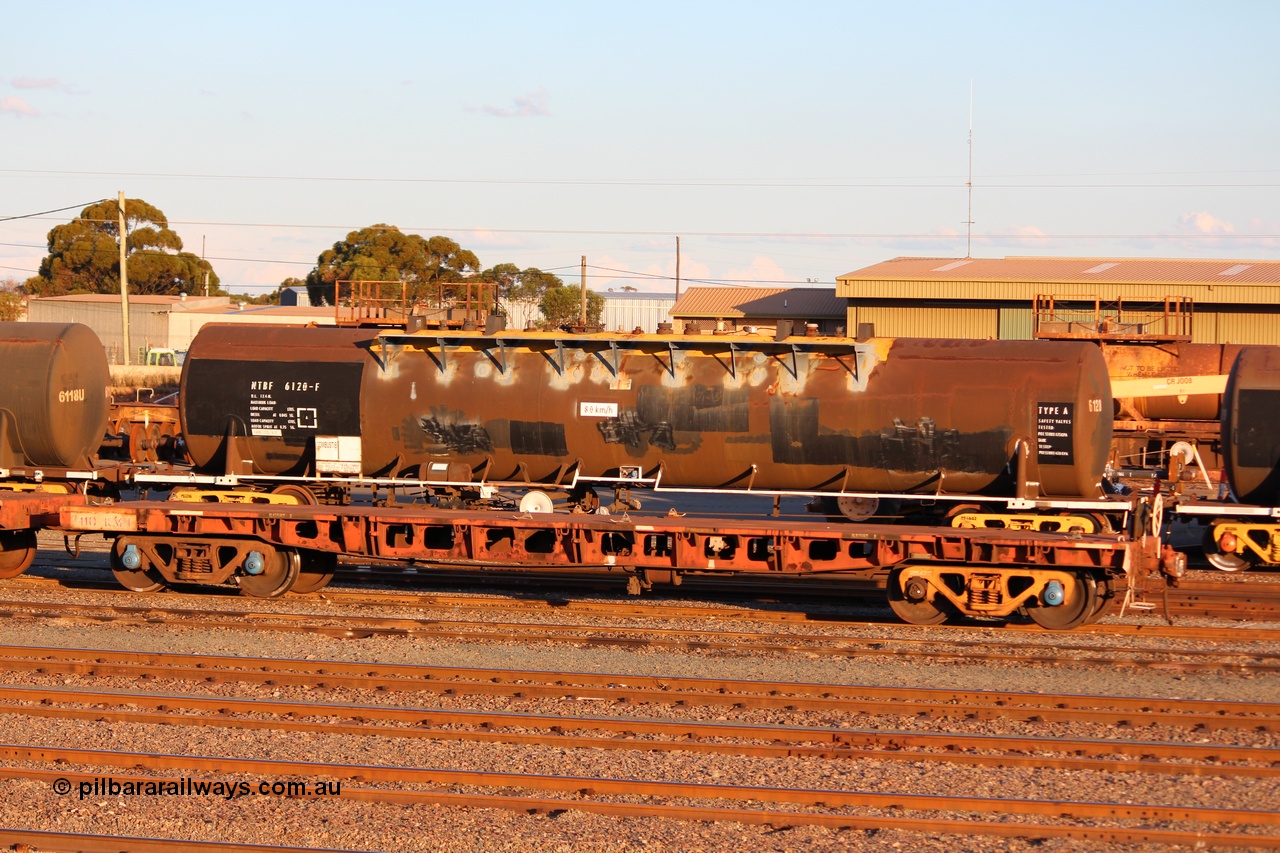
pixel 301 494
pixel 17 550
pixel 925 607
pixel 144 442
pixel 1227 562
pixel 1079 602
pixel 1106 599
pixel 279 573
pixel 315 572
pixel 142 579
pixel 1221 560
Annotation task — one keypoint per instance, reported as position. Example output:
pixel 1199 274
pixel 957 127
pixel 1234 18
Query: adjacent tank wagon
pixel 53 395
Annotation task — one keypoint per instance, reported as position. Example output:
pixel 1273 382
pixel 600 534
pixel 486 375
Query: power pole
pixel 124 281
pixel 677 269
pixel 582 314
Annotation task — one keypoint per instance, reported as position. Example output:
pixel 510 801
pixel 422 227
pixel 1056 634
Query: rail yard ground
pixel 805 727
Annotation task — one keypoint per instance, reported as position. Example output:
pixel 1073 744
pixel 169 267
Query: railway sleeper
pixel 928 594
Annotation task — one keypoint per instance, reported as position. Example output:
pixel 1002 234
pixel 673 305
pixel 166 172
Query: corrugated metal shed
pixel 1234 301
pixel 1209 281
pixel 928 322
pixel 624 312
pixel 161 321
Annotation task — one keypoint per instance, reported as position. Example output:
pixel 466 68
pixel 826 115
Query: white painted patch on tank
pixel 449 373
pixel 573 374
pixel 413 390
pixel 678 376
pixel 865 359
pixel 484 369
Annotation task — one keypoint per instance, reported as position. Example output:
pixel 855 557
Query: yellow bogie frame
pixel 43 488
pixel 1023 521
pixel 1247 543
pixel 227 496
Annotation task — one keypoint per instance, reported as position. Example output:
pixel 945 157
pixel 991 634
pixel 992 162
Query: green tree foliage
pixel 11 304
pixel 516 285
pixel 84 255
pixel 562 306
pixel 385 253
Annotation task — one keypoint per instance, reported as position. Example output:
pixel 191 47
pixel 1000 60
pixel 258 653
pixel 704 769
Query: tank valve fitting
pixel 1053 595
pixel 131 559
pixel 917 589
pixel 254 564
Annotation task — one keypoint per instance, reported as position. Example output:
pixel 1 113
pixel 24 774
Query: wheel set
pixel 257 569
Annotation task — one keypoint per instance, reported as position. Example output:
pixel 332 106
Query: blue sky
pixel 783 142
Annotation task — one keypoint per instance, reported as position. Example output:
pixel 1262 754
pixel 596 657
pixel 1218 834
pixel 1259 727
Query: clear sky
pixel 784 142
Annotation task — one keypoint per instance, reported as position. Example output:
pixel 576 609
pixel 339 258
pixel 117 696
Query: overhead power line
pixel 55 210
pixel 891 182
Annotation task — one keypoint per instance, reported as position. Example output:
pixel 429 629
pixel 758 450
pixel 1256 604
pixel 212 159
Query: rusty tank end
pixel 804 414
pixel 254 398
pixel 53 397
pixel 1251 426
pixel 1150 361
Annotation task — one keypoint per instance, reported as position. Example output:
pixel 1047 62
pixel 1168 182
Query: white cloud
pixel 1203 222
pixel 531 105
pixel 36 83
pixel 763 271
pixel 18 107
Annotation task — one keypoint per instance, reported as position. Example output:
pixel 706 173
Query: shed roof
pixel 1204 280
pixel 185 303
pixel 809 303
pixel 1165 270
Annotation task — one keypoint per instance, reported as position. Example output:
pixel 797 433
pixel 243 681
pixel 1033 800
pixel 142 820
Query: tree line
pixel 84 257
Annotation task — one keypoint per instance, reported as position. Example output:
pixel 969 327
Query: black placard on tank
pixel 287 400
pixel 1055 426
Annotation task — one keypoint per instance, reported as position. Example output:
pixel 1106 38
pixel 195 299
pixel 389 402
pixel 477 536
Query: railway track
pixel 778 805
pixel 643 734
pixel 487 628
pixel 641 689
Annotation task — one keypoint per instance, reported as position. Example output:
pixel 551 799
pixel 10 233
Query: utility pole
pixel 968 243
pixel 206 269
pixel 124 281
pixel 677 269
pixel 582 314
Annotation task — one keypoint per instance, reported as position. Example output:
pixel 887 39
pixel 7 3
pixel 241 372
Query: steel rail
pixel 1109 710
pixel 361 627
pixel 35 840
pixel 1152 757
pixel 587 786
pixel 540 602
pixel 755 816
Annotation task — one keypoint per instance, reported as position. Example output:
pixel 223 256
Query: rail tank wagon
pixel 254 398
pixel 53 396
pixel 1180 360
pixel 1251 426
pixel 806 415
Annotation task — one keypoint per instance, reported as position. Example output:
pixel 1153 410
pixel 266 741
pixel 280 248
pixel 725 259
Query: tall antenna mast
pixel 968 243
